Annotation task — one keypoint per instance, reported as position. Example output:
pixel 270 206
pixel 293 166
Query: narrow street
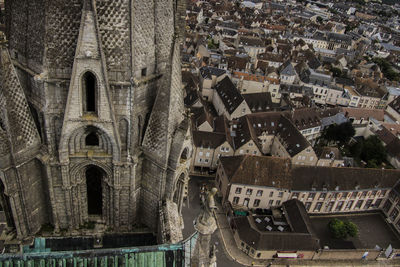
pixel 191 210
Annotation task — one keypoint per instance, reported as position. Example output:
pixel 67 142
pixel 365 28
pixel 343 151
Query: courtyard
pixel 373 231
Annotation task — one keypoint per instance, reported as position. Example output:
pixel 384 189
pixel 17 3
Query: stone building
pixel 93 126
pixel 250 182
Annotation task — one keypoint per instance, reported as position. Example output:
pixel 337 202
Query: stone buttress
pixel 23 178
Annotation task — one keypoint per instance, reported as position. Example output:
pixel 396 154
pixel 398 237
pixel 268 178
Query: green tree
pixel 340 133
pixel 387 69
pixel 351 228
pixel 372 164
pixel 342 229
pixel 337 229
pixel 356 149
pixel 373 149
pixel 360 2
pixel 336 72
pixel 212 44
pixel 345 132
pixel 319 19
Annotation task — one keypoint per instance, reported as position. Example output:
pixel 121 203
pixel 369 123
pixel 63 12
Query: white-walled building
pixel 228 101
pixel 264 182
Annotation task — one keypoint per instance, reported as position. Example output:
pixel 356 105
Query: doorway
pixel 94 177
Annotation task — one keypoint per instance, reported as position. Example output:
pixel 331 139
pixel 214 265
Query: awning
pixel 287 255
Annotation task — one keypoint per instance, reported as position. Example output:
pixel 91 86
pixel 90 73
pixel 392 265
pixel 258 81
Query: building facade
pixel 251 182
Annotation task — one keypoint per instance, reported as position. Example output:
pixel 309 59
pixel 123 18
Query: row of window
pixel 322 91
pixel 395 211
pixel 323 195
pixel 248 151
pixel 201 153
pixel 224 149
pixel 340 205
pixel 201 160
pixel 343 195
pixel 373 102
pixel 256 202
pixel 249 192
pixel 284 77
pixel 308 131
pixel 304 158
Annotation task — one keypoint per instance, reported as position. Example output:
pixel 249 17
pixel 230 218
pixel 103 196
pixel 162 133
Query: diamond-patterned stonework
pixel 143 35
pixel 36 24
pixel 21 126
pixel 4 144
pixel 18 26
pixel 113 17
pixel 64 18
pixel 168 109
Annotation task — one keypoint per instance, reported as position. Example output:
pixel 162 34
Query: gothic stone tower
pixel 92 120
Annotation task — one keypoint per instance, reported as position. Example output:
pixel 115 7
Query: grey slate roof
pixel 304 118
pixel 260 102
pixel 229 94
pixel 395 104
pixel 299 237
pixel 288 69
pixel 280 173
pixel 207 72
pixel 317 78
pixel 298 89
pixel 273 123
pixel 208 139
pixel 297 217
pixel 338 38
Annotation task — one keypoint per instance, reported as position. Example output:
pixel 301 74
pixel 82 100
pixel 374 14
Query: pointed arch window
pixel 89 90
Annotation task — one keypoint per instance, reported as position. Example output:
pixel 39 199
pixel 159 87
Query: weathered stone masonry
pixel 99 112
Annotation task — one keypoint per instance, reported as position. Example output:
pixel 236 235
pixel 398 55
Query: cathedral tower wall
pixel 127 51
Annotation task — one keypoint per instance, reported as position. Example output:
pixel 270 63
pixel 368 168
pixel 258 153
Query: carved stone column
pixel 67 193
pixel 52 198
pixel 132 200
pixel 17 212
pixel 205 225
pixel 117 190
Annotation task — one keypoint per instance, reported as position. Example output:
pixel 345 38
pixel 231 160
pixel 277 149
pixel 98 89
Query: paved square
pixel 372 230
